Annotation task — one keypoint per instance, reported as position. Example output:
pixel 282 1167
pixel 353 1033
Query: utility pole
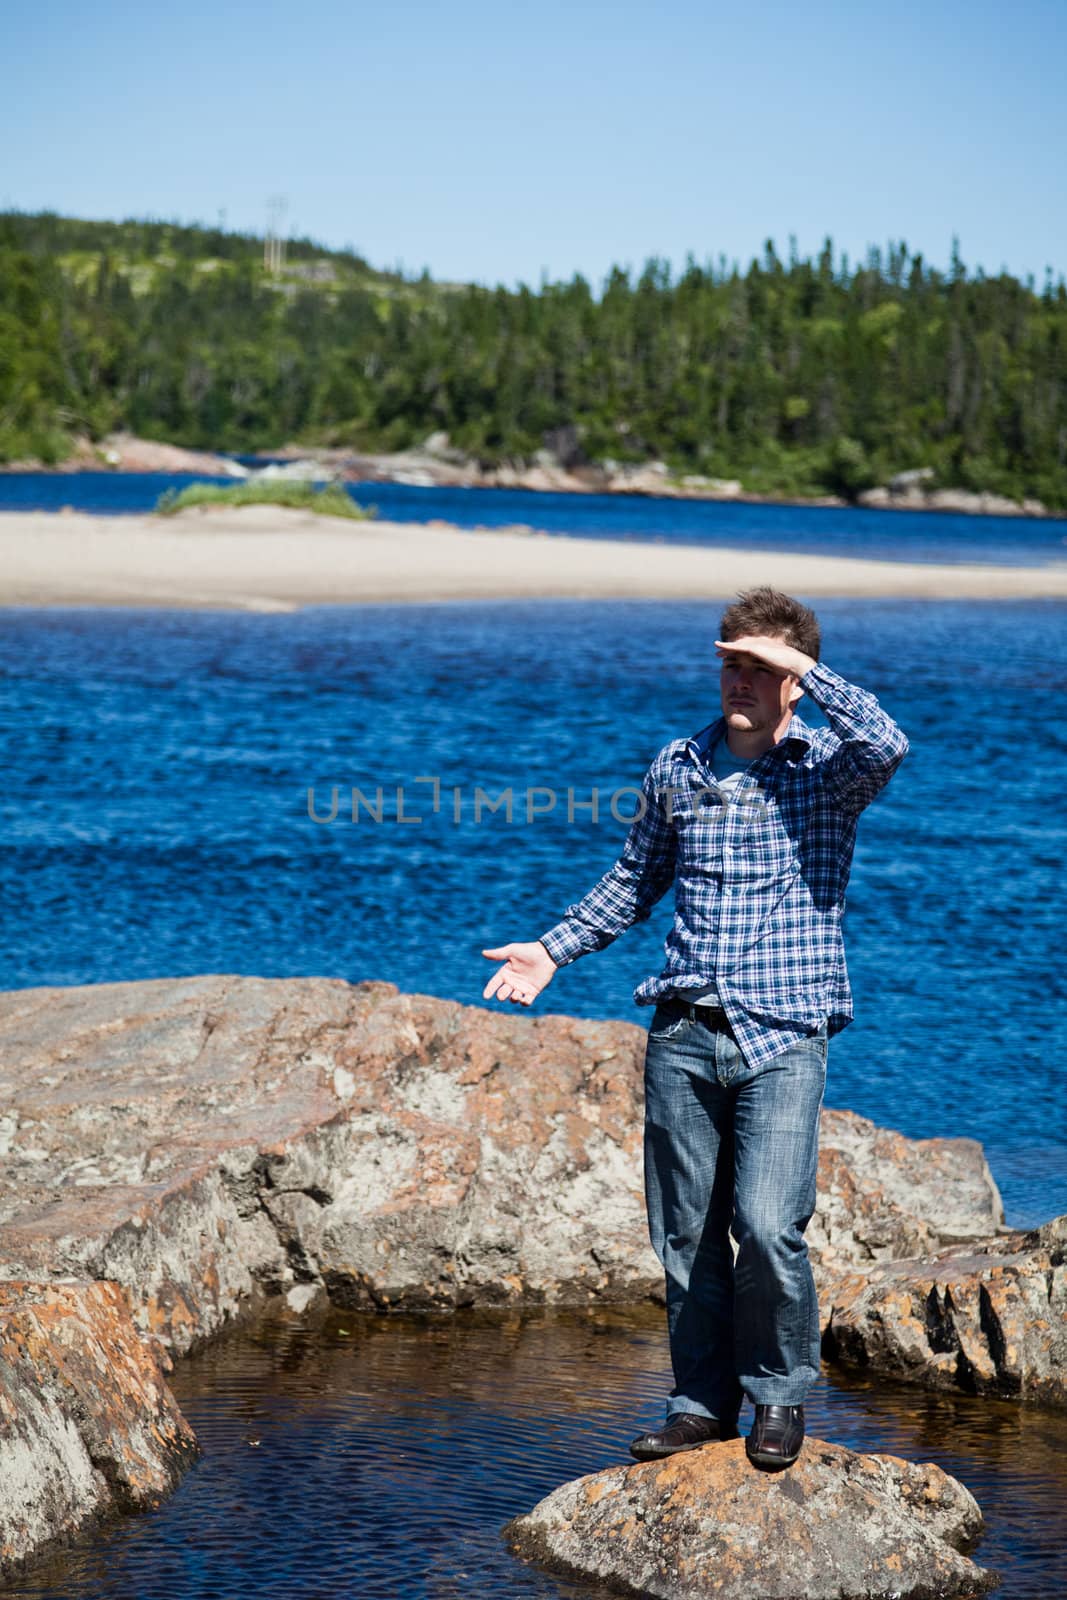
pixel 274 243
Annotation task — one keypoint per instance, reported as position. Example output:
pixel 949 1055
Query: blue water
pixel 155 819
pixel 361 1458
pixel 881 535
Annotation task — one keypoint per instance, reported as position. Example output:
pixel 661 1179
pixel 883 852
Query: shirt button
pixel 728 891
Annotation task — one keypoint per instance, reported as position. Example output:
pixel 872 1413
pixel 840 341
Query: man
pixel 753 820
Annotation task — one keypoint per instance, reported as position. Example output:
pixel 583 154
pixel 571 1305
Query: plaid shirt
pixel 759 882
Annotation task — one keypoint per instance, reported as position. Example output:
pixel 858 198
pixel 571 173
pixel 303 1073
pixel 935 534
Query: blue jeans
pixel 727 1148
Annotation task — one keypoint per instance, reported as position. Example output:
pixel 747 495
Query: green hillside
pixel 797 376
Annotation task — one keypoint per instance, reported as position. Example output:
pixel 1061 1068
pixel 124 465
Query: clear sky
pixel 497 142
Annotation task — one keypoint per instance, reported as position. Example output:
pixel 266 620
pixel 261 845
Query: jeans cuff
pixel 779 1391
pixel 696 1408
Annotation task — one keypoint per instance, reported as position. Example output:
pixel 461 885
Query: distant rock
pixel 717 488
pixel 88 1424
pixel 306 471
pixel 129 454
pixel 123 452
pixel 560 466
pixel 707 1524
pixel 440 446
pixel 905 492
pixel 914 478
pixel 987 1318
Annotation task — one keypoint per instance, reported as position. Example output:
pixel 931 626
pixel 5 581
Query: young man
pixel 753 821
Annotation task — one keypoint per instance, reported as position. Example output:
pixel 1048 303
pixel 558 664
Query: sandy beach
pixel 265 558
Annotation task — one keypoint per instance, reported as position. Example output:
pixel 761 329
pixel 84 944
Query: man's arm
pixel 627 891
pixel 872 745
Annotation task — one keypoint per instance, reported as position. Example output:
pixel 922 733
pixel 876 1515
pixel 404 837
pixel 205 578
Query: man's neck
pixel 748 745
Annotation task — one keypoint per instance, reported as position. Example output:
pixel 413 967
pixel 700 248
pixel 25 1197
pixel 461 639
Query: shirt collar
pixel 792 744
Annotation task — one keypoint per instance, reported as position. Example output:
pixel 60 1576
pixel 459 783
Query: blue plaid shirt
pixel 759 883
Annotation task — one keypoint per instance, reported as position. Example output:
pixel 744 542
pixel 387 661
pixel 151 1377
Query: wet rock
pixel 88 1424
pixel 705 1523
pixel 985 1319
pixel 208 1142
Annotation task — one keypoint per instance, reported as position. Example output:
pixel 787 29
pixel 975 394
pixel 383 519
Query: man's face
pixel 755 698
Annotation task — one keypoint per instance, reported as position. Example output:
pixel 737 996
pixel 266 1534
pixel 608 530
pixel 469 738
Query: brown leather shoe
pixel 776 1437
pixel 684 1430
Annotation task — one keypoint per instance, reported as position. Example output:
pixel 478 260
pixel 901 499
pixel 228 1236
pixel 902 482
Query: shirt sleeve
pixel 872 746
pixel 628 890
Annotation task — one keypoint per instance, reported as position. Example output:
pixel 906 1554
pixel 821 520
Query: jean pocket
pixel 666 1024
pixel 817 1043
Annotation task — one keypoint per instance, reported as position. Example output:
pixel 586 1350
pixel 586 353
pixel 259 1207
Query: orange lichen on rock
pixel 90 1424
pixel 706 1523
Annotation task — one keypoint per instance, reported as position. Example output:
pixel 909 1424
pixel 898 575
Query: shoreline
pixel 268 558
pixel 435 464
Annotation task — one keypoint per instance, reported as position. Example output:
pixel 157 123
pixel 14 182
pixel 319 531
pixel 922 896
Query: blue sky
pixel 499 142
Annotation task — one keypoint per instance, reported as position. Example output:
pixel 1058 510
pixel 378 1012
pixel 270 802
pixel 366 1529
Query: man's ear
pixel 795 694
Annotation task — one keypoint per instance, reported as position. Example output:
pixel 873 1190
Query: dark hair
pixel 767 610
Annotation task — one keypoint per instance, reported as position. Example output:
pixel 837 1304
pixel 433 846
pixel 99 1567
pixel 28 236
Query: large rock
pixel 87 1422
pixel 208 1141
pixel 881 1195
pixel 706 1524
pixel 990 1319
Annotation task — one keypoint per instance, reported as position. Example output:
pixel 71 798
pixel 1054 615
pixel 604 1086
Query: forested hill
pixel 797 376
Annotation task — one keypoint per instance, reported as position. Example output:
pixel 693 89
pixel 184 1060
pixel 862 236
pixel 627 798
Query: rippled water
pixel 154 819
pixel 353 1456
pixel 154 822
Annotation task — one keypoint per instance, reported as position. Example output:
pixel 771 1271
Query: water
pixel 884 535
pixel 380 1458
pixel 154 820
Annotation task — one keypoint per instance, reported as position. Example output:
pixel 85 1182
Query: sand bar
pixel 266 558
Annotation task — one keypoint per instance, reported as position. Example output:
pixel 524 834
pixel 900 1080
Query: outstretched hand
pixel 529 968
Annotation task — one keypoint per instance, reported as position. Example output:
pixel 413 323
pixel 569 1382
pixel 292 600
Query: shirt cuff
pixel 562 944
pixel 821 674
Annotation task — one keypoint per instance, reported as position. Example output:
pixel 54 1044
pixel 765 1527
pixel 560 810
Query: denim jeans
pixel 729 1148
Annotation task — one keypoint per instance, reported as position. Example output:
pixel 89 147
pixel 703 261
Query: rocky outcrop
pixel 882 1195
pixel 87 1422
pixel 559 468
pixel 986 1319
pixel 706 1524
pixel 127 453
pixel 209 1141
pixel 905 492
pixel 437 463
pixel 124 452
pixel 174 1152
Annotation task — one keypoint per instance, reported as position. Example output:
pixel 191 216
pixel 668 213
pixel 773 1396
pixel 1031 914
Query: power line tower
pixel 274 243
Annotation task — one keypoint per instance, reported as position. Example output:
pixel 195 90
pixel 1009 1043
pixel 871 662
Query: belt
pixel 710 1016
